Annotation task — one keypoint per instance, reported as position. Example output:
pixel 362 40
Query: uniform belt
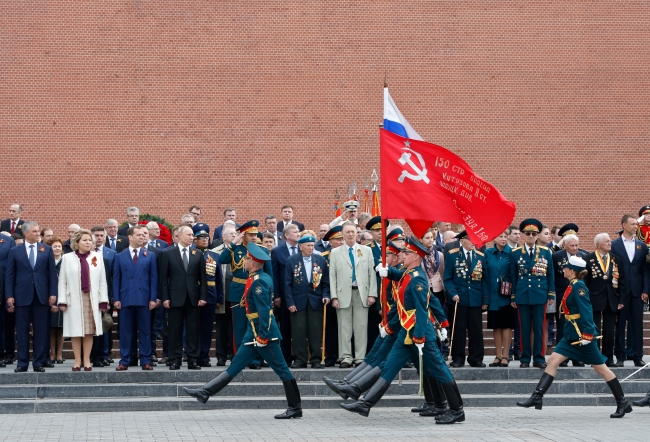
pixel 239 280
pixel 211 283
pixel 256 315
pixel 572 317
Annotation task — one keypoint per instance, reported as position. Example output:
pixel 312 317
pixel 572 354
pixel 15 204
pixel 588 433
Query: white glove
pixel 640 220
pixel 420 347
pixel 442 334
pixel 585 342
pixel 382 270
pixel 382 331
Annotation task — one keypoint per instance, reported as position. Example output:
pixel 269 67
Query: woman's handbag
pixel 107 322
pixel 505 288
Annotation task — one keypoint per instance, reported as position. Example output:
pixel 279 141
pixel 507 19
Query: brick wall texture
pixel 254 104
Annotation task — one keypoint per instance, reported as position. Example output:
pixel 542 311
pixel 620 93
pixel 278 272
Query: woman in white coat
pixel 82 295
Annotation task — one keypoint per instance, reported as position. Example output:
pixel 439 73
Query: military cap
pixel 201 229
pixel 396 233
pixel 530 225
pixel 643 210
pixel 257 253
pixel 413 245
pixel 374 223
pixel 306 239
pixel 392 248
pixel 568 229
pixel 576 263
pixel 351 205
pixel 249 227
pixel 461 235
pixel 334 232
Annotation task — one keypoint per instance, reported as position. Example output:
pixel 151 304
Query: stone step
pixel 73 405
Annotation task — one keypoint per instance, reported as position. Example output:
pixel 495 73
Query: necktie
pixel 469 259
pixel 293 250
pixel 96 249
pixel 32 260
pixel 113 243
pixel 530 252
pixel 354 273
pixel 152 244
pixel 185 260
pixel 135 256
pixel 13 227
pixel 326 243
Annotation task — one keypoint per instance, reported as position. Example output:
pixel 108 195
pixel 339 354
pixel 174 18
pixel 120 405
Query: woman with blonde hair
pixel 82 295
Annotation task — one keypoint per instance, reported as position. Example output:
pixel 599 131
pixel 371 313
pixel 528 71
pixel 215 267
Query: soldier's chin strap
pixel 645 366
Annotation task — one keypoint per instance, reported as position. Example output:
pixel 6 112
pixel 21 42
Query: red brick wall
pixel 163 104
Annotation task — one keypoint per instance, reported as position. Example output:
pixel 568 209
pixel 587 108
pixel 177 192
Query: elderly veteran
pixel 306 291
pixel 578 341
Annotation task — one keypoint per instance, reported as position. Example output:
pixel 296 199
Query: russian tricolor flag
pixel 395 122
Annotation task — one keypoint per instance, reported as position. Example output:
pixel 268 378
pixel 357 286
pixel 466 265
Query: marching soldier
pixel 214 290
pixel 262 336
pixel 532 290
pixel 374 316
pixel 469 294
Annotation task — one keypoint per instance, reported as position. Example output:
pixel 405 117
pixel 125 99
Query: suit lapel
pixel 346 254
pixel 179 253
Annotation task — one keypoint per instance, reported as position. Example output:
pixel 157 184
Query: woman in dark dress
pixel 56 324
pixel 579 340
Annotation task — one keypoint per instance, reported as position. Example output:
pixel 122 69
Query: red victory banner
pixel 422 183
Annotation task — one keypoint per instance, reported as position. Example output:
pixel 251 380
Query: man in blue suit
pixel 634 286
pixel 154 234
pixel 306 291
pixel 135 285
pixel 99 353
pixel 6 244
pixel 31 287
pixel 279 258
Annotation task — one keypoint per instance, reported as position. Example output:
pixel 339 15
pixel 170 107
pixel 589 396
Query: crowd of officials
pixel 326 289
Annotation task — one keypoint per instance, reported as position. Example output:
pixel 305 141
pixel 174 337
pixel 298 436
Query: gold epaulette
pixel 325 253
pixel 454 250
pixel 479 253
pixel 372 244
pixel 415 274
pixel 517 248
pixel 543 247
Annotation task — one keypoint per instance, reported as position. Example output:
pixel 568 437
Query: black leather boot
pixel 622 405
pixel 369 400
pixel 293 399
pixel 643 402
pixel 428 397
pixel 536 398
pixel 346 380
pixel 358 386
pixel 455 413
pixel 439 399
pixel 211 388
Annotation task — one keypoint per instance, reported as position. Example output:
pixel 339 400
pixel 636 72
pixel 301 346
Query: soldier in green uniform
pixel 262 337
pixel 467 292
pixel 579 340
pixel 532 289
pixel 415 337
pixel 396 234
pixel 234 254
pixel 374 312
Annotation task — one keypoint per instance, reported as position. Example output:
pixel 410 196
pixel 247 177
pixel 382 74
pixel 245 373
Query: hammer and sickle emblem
pixel 420 171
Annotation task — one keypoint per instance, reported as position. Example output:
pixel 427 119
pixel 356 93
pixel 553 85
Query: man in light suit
pixel 287 219
pixel 113 240
pixel 6 243
pixel 31 288
pixel 353 289
pixel 99 353
pixel 634 286
pixel 135 284
pixel 13 224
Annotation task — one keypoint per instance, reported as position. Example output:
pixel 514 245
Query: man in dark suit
pixel 113 240
pixel 154 234
pixel 560 261
pixel 223 317
pixel 279 258
pixel 6 244
pixel 633 289
pixel 135 284
pixel 14 223
pixel 442 228
pixel 322 245
pixel 287 218
pixel 101 344
pixel 183 291
pixel 229 213
pixel 271 223
pixel 306 291
pixel 132 218
pixel 72 229
pixel 602 280
pixel 31 287
pixel 158 312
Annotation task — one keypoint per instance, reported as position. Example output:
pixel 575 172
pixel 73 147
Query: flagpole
pixel 384 242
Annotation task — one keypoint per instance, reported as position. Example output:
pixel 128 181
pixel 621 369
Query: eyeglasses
pixel 531 233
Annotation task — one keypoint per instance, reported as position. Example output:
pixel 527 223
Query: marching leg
pixel 293 400
pixel 211 388
pixel 428 396
pixel 358 385
pixel 455 412
pixel 536 398
pixel 439 399
pixel 370 399
pixel 622 406
pixel 643 402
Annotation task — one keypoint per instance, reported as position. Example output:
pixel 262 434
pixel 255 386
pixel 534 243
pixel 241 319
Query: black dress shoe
pixel 345 365
pixel 39 369
pixel 577 364
pixel 565 363
pixel 2 364
pixel 9 360
pixel 174 366
pixel 639 363
pixel 20 369
pixel 110 361
pixel 98 364
pixel 406 365
pixel 48 364
pixel 479 365
pixel 330 364
pixel 264 364
pixel 316 365
pixel 205 364
pixel 524 365
pixel 193 366
pixel 221 363
pixel 298 365
pixel 539 364
pixel 517 357
pixel 456 364
pixel 255 367
pixel 620 363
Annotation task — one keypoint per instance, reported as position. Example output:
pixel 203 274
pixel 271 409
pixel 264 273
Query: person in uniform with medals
pixel 416 336
pixel 643 232
pixel 262 337
pixel 578 341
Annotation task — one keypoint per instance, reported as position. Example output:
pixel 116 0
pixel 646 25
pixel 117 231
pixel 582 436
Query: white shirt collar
pixel 131 249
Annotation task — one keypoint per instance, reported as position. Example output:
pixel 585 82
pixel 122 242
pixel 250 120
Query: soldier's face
pixel 376 235
pixel 201 242
pixel 336 242
pixel 467 244
pixel 391 260
pixel 646 219
pixel 410 259
pixel 531 238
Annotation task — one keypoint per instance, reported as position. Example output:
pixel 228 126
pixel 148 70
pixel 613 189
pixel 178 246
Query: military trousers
pixel 469 322
pixel 608 330
pixel 239 326
pixel 271 353
pixel 307 332
pixel 206 322
pixel 532 317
